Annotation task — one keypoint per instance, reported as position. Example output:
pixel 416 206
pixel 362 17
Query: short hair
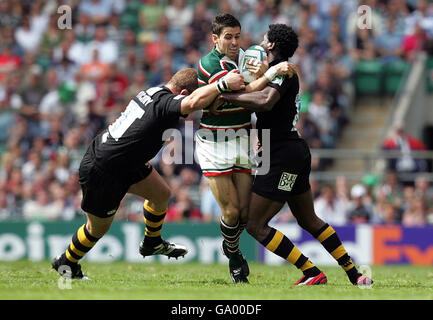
pixel 285 39
pixel 185 79
pixel 224 20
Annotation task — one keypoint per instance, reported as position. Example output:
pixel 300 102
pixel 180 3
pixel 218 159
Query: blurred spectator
pixel 150 13
pixel 84 28
pixel 320 113
pixel 28 38
pixel 256 22
pixel 359 211
pixel 414 42
pixel 401 141
pixel 209 207
pixel 415 213
pixel 41 208
pixel 331 208
pixel 183 209
pixel 98 11
pixel 389 43
pixel 9 62
pixel 179 14
pixel 108 51
pixel 422 16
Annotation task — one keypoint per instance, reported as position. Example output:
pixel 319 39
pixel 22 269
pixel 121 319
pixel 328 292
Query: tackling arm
pixel 258 101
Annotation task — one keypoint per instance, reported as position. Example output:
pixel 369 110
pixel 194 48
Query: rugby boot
pixel 363 281
pixel 171 250
pixel 238 265
pixel 69 271
pixel 310 281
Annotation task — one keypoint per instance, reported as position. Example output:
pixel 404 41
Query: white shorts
pixel 223 158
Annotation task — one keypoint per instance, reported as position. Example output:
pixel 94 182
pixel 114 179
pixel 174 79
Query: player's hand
pixel 219 101
pixel 286 68
pixel 257 67
pixel 234 80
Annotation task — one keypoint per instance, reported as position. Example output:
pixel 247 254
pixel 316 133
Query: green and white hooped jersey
pixel 212 67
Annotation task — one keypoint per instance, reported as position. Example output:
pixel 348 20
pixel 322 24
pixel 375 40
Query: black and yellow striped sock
pixel 154 221
pixel 279 244
pixel 82 242
pixel 332 243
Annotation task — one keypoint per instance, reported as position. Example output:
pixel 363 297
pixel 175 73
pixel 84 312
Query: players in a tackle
pixel 224 158
pixel 116 163
pixel 290 164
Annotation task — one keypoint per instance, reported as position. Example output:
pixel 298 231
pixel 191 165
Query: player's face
pixel 228 42
pixel 265 43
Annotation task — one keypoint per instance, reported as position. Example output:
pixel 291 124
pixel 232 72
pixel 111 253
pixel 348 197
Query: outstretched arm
pixel 203 97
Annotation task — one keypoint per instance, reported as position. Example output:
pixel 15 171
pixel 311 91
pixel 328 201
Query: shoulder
pixel 209 65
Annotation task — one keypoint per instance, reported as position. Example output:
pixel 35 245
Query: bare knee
pixel 257 230
pixel 230 214
pixel 98 228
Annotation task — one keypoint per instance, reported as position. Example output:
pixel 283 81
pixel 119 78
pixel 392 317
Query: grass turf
pixel 193 281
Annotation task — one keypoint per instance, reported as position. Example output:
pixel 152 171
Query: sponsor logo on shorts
pixel 287 181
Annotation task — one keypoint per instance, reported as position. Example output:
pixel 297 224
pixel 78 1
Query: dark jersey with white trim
pixel 281 120
pixel 136 135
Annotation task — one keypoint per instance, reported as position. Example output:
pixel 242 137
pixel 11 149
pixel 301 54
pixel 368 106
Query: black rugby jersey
pixel 281 120
pixel 136 135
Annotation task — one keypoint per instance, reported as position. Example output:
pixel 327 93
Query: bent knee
pixel 257 230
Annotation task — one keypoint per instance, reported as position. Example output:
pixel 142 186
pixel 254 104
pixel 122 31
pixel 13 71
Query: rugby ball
pixel 256 52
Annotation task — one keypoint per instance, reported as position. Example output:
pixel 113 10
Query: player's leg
pixel 157 194
pixel 83 240
pixel 302 207
pixel 262 210
pixel 243 182
pixel 224 191
pixel 102 194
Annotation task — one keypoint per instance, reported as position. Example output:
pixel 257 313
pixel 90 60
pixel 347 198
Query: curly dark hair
pixel 285 39
pixel 222 21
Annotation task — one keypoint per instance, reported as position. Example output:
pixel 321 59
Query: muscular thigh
pixel 154 189
pixel 224 191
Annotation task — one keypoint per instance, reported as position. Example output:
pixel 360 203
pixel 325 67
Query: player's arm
pixel 258 101
pixel 204 96
pixel 283 68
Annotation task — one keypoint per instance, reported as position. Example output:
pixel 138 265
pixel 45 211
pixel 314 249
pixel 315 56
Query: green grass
pixel 193 281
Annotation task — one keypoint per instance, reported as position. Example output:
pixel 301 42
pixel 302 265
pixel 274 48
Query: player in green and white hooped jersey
pixel 229 173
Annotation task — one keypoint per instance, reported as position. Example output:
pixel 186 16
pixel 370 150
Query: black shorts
pixel 289 171
pixel 102 190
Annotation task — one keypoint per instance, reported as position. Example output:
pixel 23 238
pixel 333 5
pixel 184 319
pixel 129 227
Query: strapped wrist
pixel 271 73
pixel 222 85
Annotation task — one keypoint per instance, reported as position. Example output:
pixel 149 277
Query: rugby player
pixel 224 159
pixel 116 163
pixel 277 110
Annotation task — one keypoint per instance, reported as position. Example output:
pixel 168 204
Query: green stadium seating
pixel 394 72
pixel 429 74
pixel 368 77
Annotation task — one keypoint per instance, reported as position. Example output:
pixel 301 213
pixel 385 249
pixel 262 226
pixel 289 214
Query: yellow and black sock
pixel 154 221
pixel 332 243
pixel 82 242
pixel 279 244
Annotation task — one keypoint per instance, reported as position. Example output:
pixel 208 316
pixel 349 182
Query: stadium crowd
pixel 60 86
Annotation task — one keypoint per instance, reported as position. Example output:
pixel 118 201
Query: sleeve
pixel 172 104
pixel 210 70
pixel 284 83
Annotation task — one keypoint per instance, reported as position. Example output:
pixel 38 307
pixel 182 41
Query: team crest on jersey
pixel 278 80
pixel 111 212
pixel 287 181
